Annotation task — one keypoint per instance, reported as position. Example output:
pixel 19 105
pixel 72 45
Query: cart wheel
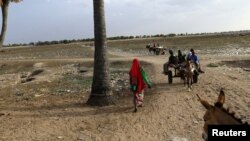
pixel 170 77
pixel 195 78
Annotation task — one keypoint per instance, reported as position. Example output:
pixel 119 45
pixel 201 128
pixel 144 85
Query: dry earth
pixel 43 96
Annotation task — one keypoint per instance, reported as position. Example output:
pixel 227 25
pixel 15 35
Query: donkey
pixel 217 114
pixel 151 49
pixel 188 75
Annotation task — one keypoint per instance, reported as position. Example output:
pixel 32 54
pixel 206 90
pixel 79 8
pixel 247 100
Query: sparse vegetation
pixel 78 80
pixel 213 65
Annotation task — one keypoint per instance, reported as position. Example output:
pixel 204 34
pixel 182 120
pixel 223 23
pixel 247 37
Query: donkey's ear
pixel 221 99
pixel 203 102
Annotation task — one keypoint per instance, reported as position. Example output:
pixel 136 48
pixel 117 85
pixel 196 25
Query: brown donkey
pixel 217 114
pixel 189 72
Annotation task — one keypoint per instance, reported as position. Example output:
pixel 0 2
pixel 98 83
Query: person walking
pixel 138 82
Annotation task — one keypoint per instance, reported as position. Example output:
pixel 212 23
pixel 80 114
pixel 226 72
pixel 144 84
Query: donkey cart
pixel 176 71
pixel 160 50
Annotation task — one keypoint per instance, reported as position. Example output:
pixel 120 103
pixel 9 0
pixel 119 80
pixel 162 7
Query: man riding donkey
pixel 190 68
pixel 138 82
pixel 195 60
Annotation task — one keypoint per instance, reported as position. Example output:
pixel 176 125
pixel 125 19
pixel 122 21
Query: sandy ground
pixel 31 112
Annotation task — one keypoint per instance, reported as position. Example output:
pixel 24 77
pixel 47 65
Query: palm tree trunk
pixel 101 88
pixel 4 8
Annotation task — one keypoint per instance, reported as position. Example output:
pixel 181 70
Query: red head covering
pixel 136 73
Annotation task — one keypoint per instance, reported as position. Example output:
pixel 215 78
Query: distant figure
pixel 148 45
pixel 138 82
pixel 195 59
pixel 154 45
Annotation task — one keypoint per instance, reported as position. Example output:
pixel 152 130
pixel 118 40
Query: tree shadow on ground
pixel 76 113
pixel 124 104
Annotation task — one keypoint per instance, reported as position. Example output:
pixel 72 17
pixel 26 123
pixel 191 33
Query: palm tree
pixel 4 6
pixel 101 87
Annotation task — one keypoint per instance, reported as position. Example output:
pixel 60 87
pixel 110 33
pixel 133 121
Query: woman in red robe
pixel 138 82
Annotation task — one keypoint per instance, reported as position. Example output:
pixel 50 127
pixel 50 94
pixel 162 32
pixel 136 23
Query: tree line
pixel 66 41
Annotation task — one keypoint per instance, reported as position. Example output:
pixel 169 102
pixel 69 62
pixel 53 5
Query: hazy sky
pixel 46 20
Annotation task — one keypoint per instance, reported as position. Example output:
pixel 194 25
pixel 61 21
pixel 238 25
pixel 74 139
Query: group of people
pixel 181 58
pixel 139 79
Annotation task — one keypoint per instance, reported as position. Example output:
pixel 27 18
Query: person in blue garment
pixel 195 59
